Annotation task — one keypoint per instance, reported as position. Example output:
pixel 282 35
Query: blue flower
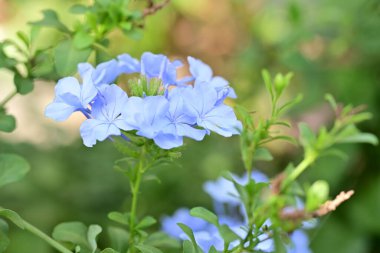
pixel 107 116
pixel 201 102
pixel 203 73
pixel 70 96
pixel 104 74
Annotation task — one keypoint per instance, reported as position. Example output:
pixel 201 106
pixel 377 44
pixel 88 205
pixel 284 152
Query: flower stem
pixel 135 192
pixel 9 97
pixel 32 229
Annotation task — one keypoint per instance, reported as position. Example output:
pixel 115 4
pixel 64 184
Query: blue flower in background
pixel 70 96
pixel 107 116
pixel 104 74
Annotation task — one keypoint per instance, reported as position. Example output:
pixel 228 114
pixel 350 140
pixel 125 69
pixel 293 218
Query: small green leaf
pixel 204 214
pixel 5 61
pixel 23 85
pixel 67 57
pixel 268 82
pixel 51 19
pixel 146 222
pixel 119 238
pixel 83 40
pixel 13 217
pixel 227 234
pixel 4 241
pixel 24 38
pixel 263 154
pixel 187 230
pixel 72 232
pixel 109 250
pixel 317 195
pixel 188 247
pixel 92 233
pixel 160 239
pixel 7 123
pixel 122 218
pixel 12 168
pixel 147 249
pixel 331 101
pixel 307 136
pixel 213 250
pixel 126 26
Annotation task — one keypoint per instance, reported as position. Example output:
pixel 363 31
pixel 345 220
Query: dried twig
pixel 327 207
pixel 153 8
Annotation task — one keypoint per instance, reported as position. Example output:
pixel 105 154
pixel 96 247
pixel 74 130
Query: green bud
pixel 317 195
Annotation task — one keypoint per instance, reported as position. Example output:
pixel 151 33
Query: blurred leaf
pixel 146 222
pixel 109 250
pixel 351 134
pixel 4 241
pixel 119 238
pixel 268 82
pixel 12 168
pixel 263 154
pixel 23 85
pixel 67 57
pixel 160 239
pixel 93 232
pixel 83 40
pixel 204 214
pixel 307 136
pixel 331 101
pixel 79 9
pixel 147 249
pixel 212 250
pixel 192 247
pixel 13 217
pixel 5 61
pixel 227 234
pixel 7 123
pixel 51 19
pixel 122 218
pixel 24 38
pixel 74 233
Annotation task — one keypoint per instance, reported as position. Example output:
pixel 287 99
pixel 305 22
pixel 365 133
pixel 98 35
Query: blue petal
pixel 92 130
pixel 68 85
pixel 188 131
pixel 199 69
pixel 168 141
pixel 128 64
pixel 59 111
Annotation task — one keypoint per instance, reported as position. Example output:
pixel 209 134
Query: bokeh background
pixel 330 46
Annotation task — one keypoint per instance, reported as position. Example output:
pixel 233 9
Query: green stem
pixel 9 97
pixel 309 159
pixel 32 229
pixel 135 192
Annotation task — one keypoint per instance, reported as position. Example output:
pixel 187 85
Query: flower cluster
pixel 230 212
pixel 161 107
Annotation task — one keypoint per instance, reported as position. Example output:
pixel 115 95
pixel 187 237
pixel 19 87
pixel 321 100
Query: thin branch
pixel 327 207
pixel 153 8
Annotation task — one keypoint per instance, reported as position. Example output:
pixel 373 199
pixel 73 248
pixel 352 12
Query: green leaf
pixel 317 195
pixel 160 239
pixel 7 123
pixel 227 234
pixel 146 222
pixel 13 217
pixel 263 154
pixel 351 134
pixel 24 38
pixel 4 241
pixel 268 82
pixel 147 249
pixel 79 9
pixel 67 57
pixel 93 232
pixel 188 247
pixel 122 218
pixel 307 136
pixel 204 214
pixel 5 61
pixel 193 244
pixel 51 19
pixel 119 238
pixel 109 250
pixel 23 85
pixel 290 104
pixel 83 40
pixel 213 250
pixel 12 168
pixel 72 232
pixel 331 101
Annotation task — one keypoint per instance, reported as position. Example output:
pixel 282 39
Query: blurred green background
pixel 330 46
